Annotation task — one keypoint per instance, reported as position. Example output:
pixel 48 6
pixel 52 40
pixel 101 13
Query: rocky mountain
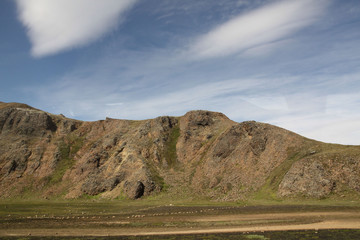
pixel 201 154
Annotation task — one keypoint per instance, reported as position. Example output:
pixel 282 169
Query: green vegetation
pixel 317 151
pixel 206 145
pixel 135 123
pixel 64 163
pixel 269 189
pixel 156 176
pixel 98 206
pixel 67 150
pixel 85 196
pixel 75 143
pixel 170 147
pixel 130 216
pixel 256 236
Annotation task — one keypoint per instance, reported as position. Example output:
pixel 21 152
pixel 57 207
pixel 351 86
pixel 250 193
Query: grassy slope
pixel 317 151
pixel 267 194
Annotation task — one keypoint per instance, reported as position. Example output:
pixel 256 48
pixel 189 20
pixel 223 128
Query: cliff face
pixel 202 153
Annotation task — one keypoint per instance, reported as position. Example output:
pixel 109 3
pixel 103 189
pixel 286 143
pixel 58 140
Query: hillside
pixel 201 154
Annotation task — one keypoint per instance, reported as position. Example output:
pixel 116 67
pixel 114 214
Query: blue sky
pixel 292 63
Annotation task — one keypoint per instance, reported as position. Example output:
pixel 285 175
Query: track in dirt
pixel 170 220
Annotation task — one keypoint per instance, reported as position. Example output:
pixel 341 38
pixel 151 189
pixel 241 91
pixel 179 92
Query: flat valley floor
pixel 43 220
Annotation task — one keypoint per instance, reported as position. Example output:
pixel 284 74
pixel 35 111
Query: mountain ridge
pixel 200 154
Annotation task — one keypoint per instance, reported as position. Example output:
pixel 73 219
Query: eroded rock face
pixel 318 176
pixel 307 178
pixel 199 128
pixel 134 190
pixel 248 132
pixel 240 158
pixel 203 152
pixel 26 122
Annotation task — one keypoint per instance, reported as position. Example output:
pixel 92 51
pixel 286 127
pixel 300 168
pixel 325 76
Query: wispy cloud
pixel 309 86
pixel 112 102
pixel 256 28
pixel 58 25
pixel 323 107
pixel 326 117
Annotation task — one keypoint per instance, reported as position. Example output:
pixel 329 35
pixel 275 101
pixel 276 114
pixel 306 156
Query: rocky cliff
pixel 199 154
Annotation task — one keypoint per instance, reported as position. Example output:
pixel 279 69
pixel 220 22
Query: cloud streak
pixel 58 25
pixel 323 107
pixel 259 27
pixel 309 86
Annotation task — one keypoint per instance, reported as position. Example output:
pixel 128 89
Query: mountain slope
pixel 199 154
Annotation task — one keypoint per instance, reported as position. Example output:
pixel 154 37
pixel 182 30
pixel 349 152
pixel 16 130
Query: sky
pixel 291 63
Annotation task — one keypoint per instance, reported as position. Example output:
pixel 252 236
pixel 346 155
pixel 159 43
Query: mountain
pixel 200 154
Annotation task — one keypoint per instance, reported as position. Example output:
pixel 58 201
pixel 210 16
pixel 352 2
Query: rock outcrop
pixel 322 174
pixel 201 153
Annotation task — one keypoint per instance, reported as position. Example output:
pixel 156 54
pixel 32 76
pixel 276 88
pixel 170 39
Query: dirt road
pixel 194 224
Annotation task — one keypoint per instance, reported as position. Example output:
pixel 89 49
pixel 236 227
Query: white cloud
pixel 330 127
pixel 266 48
pixel 338 122
pixel 259 27
pixel 274 103
pixel 58 25
pixel 114 104
pixel 328 117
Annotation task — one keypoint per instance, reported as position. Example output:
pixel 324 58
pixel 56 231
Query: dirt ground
pixel 158 220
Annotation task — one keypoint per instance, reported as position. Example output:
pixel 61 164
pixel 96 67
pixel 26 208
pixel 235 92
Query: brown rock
pixel 201 153
pixel 134 190
pixel 307 178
